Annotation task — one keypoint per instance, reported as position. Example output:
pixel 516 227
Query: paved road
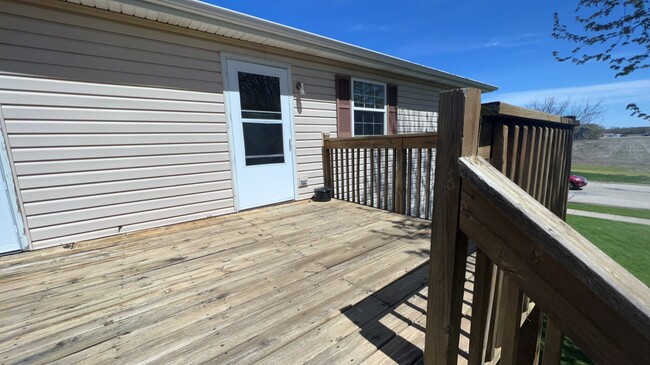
pixel 619 195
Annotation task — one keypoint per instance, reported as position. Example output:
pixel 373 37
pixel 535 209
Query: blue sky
pixel 504 43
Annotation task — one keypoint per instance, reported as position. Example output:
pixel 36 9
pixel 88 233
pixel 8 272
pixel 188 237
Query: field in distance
pixel 614 159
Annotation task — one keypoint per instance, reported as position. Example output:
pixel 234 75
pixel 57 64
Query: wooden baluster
pixel 534 183
pixel 530 338
pixel 513 145
pixel 541 178
pixel 393 190
pixel 429 187
pixel 353 188
pixel 358 174
pixel 547 167
pixel 523 157
pixel 418 182
pixel 530 159
pixel 400 179
pixel 378 178
pixel 552 344
pixel 386 178
pixel 335 153
pixel 365 176
pixel 511 321
pixel 482 303
pixel 409 183
pixel 493 341
pixel 567 170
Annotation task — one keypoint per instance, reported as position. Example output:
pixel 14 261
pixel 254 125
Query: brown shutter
pixel 343 113
pixel 392 109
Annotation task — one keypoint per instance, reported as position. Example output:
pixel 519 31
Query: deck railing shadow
pixel 501 181
pixel 397 333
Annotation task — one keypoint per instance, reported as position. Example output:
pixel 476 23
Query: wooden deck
pixel 304 282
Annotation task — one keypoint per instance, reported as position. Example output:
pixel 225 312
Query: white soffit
pixel 212 19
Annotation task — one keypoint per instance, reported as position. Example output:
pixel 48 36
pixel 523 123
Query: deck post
pixel 327 164
pixel 458 134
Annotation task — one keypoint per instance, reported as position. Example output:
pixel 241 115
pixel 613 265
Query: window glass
pixel 263 143
pixel 260 96
pixel 369 106
pixel 367 123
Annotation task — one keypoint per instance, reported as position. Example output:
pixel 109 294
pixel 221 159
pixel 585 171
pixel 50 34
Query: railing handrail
pixel 504 110
pixel 618 327
pixel 411 140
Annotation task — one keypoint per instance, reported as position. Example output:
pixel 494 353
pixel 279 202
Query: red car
pixel 577 182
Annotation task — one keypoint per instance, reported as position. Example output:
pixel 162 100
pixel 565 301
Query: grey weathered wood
pixel 458 127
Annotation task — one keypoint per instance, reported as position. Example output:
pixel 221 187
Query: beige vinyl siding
pixel 51 43
pixel 314 114
pixel 96 158
pixel 115 126
pixel 417 109
pixel 109 176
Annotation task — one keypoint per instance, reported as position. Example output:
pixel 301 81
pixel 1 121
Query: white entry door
pixel 9 237
pixel 261 133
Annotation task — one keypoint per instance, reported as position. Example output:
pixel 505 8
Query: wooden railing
pixel 529 263
pixel 394 173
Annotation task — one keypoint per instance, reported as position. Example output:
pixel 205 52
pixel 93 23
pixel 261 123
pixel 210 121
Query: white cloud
pixel 611 93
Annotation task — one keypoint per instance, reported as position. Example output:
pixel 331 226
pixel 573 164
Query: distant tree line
pixel 628 130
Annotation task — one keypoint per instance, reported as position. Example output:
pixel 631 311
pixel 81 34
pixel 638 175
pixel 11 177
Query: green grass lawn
pixel 611 174
pixel 626 243
pixel 628 212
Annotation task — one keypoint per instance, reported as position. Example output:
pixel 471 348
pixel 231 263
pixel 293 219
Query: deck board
pixel 302 282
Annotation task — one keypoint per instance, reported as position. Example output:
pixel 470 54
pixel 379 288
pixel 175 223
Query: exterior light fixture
pixel 300 86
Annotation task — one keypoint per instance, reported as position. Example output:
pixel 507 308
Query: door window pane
pixel 263 143
pixel 259 96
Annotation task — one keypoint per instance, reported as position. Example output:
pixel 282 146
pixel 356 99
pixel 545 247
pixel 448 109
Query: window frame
pixel 353 107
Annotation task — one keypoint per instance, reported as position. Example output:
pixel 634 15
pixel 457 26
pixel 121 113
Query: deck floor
pixel 303 282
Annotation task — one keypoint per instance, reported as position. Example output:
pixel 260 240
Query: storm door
pixel 261 133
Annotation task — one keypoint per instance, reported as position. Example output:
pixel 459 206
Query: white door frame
pixel 225 57
pixel 6 168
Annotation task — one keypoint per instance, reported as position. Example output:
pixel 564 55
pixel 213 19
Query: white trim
pixel 224 58
pixel 353 108
pixel 15 202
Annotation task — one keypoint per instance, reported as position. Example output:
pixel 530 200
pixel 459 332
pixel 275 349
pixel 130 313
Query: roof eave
pixel 325 47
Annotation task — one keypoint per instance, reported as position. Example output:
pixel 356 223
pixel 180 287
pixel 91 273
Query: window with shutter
pixel 365 107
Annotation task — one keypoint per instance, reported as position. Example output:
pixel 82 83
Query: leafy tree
pixel 613 31
pixel 585 111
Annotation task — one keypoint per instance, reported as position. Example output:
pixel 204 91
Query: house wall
pixel 115 124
